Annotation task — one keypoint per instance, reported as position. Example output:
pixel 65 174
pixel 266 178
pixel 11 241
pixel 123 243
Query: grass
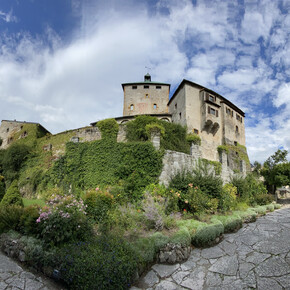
pixel 27 202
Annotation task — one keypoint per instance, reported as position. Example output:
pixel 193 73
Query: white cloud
pixel 8 17
pixel 70 85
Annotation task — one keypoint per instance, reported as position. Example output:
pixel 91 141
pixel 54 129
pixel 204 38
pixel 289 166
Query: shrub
pixel 62 221
pixel 12 196
pixel 231 223
pixel 145 251
pixel 27 222
pixel 154 211
pixel 277 206
pixel 104 263
pixel 264 199
pixel 98 203
pixel 193 138
pixel 109 128
pixel 159 240
pixel 2 187
pixel 261 210
pixel 206 235
pixel 270 207
pixel 182 237
pixel 9 217
pixel 247 216
pixel 126 218
pixel 228 197
pixel 13 160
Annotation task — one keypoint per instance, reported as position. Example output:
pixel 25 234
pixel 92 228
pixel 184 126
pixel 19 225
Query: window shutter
pixel 208 109
pixel 217 113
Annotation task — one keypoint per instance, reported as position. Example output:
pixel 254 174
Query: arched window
pixel 131 107
pixel 155 106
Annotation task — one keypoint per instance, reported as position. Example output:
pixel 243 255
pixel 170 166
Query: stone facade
pixel 145 97
pixel 9 130
pixel 215 119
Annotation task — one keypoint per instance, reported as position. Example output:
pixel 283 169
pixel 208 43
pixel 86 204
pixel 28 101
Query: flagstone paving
pixel 13 277
pixel 256 257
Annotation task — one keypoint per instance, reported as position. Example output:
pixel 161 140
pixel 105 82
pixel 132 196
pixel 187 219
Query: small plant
pixel 223 148
pixel 12 196
pixel 193 138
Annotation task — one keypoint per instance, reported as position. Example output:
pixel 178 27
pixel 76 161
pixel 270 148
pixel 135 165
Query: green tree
pixel 273 170
pixel 12 196
pixel 13 160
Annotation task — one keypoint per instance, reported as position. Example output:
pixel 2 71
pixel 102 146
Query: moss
pixel 223 148
pixel 217 165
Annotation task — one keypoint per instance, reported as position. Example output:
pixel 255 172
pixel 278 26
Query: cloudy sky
pixel 62 62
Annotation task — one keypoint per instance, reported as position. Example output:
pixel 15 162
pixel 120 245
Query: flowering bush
pixel 63 219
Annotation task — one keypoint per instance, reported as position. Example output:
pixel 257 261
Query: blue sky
pixel 62 62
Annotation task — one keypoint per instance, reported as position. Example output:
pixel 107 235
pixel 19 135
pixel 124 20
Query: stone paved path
pixel 256 257
pixel 14 277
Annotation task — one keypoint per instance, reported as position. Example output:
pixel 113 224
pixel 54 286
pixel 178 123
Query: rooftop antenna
pixel 148 68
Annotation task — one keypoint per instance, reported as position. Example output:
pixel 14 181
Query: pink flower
pixel 97 189
pixel 38 220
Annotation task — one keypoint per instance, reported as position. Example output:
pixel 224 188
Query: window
pixel 154 106
pixel 235 143
pixel 7 130
pixel 212 111
pixel 158 87
pixel 237 129
pixel 132 107
pixel 195 131
pixel 238 117
pixel 134 87
pixel 147 96
pixel 175 106
pixel 146 87
pixel 179 115
pixel 211 98
pixel 228 111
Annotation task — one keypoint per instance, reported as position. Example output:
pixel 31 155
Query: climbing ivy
pixel 174 137
pixel 105 162
pixel 108 128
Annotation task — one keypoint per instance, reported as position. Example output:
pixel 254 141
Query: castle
pixel 206 113
pixel 211 116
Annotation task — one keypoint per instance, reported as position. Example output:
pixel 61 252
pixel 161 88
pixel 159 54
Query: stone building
pixel 13 130
pixel 206 113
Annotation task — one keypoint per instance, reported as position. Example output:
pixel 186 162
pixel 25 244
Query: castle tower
pixel 145 98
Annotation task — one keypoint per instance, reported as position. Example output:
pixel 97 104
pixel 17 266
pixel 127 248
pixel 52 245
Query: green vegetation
pixel 174 137
pixel 193 138
pixel 109 128
pixel 95 210
pixel 12 196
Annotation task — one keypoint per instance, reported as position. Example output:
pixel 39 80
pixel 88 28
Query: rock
pixel 166 285
pixel 173 253
pixel 165 270
pixel 227 265
pixel 151 279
